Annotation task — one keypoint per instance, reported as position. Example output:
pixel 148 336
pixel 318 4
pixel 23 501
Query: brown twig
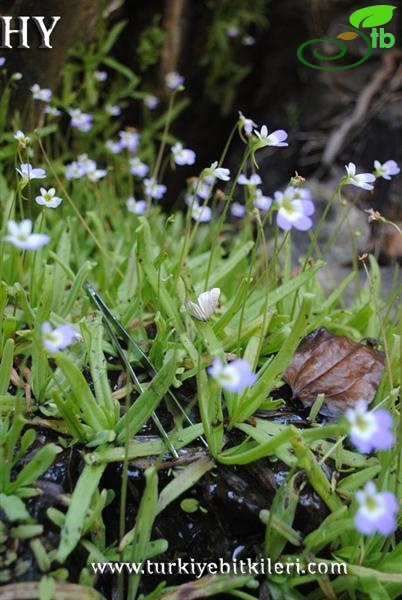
pixel 338 137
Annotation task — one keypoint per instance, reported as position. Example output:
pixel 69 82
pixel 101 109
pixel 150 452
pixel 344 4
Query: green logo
pixel 372 17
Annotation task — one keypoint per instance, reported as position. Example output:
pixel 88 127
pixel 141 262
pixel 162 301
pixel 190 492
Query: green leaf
pixel 6 366
pixel 14 508
pixel 143 528
pixel 372 16
pixel 77 511
pixel 93 334
pixel 36 467
pixel 82 393
pixel 143 407
pixel 184 481
pixel 284 509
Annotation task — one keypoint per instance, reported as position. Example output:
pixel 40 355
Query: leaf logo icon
pixel 348 35
pixel 372 16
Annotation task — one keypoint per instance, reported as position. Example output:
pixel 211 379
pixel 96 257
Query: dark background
pixel 332 117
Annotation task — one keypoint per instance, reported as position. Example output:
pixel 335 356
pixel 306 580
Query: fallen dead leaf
pixel 344 370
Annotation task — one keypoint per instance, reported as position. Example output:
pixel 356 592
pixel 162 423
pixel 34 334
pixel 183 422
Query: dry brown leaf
pixel 344 370
pixel 348 35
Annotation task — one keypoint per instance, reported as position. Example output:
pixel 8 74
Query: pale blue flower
pixel 386 170
pixel 377 511
pixel 100 76
pixel 263 203
pixel 20 235
pixel 233 377
pixel 363 180
pixel 200 213
pixel 136 207
pixel 238 210
pixel 232 31
pixel 247 124
pixel 58 338
pixel 84 167
pixel 151 101
pixel 52 111
pixel 174 80
pixel 81 121
pixel 129 140
pixel 253 180
pixel 42 94
pixel 28 173
pixel 370 430
pixel 293 211
pixel 113 110
pixel 138 168
pixel 113 147
pixel 153 189
pixel 276 138
pixel 74 171
pixel 183 156
pixel 219 172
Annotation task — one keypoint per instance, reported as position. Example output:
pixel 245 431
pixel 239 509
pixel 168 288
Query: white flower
pixel 363 180
pixel 100 75
pixel 2 61
pixel 276 138
pixel 58 338
pixel 206 304
pixel 27 172
pixel 137 207
pixel 48 198
pixel 21 236
pixel 23 140
pixel 174 80
pixel 219 172
pixel 387 170
pixel 183 156
pixel 42 94
pixel 254 179
pixel 151 101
